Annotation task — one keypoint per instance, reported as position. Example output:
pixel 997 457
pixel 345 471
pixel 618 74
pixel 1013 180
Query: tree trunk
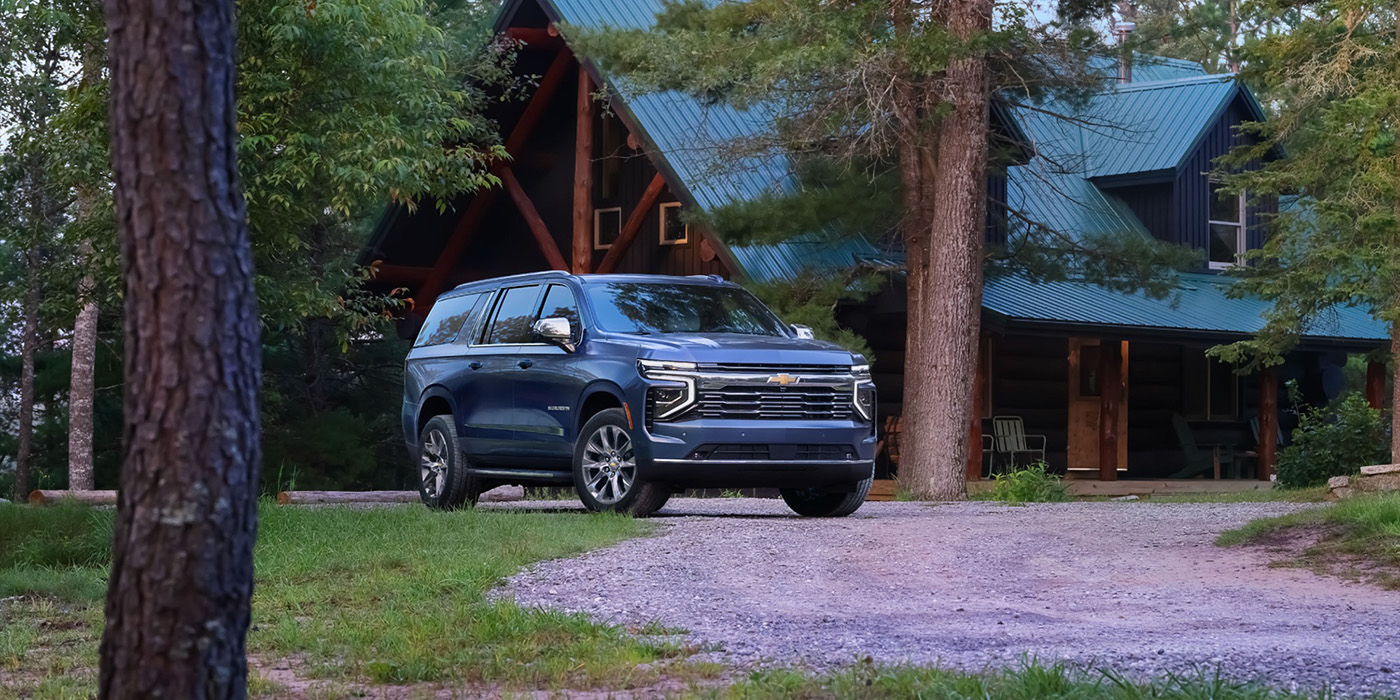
pixel 178 602
pixel 29 345
pixel 1395 392
pixel 81 384
pixel 945 280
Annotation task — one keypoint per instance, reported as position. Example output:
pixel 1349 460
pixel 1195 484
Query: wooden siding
pixel 1030 379
pixel 1190 212
pixel 1152 205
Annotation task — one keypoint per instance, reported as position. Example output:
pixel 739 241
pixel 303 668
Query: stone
pixel 501 494
pixel 1380 469
pixel 1338 482
pixel 1126 498
pixel 1379 482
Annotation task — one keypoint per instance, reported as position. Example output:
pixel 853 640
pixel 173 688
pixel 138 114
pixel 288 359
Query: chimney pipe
pixel 1125 54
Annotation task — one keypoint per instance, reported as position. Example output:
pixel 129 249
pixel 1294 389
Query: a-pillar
pixel 1268 422
pixel 1110 404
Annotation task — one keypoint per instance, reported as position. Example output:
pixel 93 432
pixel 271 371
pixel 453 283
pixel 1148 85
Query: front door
pixel 548 385
pixel 1084 391
pixel 486 400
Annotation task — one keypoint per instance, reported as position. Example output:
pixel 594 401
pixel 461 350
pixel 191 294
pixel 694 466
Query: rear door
pixel 485 402
pixel 548 385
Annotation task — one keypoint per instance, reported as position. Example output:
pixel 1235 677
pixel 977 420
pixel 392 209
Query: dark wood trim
pixel 583 175
pixel 974 432
pixel 1268 422
pixel 1110 402
pixel 535 38
pixel 541 233
pixel 1375 384
pixel 634 224
pixel 539 103
pixel 401 275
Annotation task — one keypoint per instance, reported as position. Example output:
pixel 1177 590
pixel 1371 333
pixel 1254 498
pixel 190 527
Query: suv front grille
pixel 761 368
pixel 762 453
pixel 776 403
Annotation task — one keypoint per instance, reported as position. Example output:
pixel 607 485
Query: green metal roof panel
pixel 1199 304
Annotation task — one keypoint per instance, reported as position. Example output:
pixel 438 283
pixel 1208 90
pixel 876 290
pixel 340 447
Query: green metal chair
pixel 1199 461
pixel 1009 439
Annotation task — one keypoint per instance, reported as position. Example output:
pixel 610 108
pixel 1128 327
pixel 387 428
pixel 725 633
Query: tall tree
pixel 1337 239
pixel 895 97
pixel 178 602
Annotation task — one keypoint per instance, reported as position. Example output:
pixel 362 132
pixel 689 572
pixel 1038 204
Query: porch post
pixel 974 432
pixel 1110 401
pixel 1375 384
pixel 583 175
pixel 1268 422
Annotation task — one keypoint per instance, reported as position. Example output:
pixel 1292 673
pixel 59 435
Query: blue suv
pixel 632 388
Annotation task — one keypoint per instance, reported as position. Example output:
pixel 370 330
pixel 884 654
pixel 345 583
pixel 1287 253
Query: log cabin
pixel 1118 384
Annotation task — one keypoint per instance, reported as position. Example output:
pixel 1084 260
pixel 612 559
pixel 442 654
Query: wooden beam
pixel 1268 422
pixel 1110 401
pixel 401 275
pixel 640 214
pixel 535 38
pixel 543 238
pixel 1375 384
pixel 979 392
pixel 481 202
pixel 583 175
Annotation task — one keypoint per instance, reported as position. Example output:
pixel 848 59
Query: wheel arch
pixel 436 401
pixel 596 399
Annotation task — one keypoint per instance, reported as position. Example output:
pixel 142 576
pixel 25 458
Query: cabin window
pixel 1210 388
pixel 674 231
pixel 607 226
pixel 1227 239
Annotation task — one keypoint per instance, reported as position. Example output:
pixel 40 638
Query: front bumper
pixel 676 453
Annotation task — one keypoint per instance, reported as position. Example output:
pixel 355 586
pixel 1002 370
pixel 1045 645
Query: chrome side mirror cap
pixel 557 331
pixel 803 332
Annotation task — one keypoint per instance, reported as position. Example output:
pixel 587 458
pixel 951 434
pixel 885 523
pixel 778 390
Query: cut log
pixel 296 498
pixel 88 498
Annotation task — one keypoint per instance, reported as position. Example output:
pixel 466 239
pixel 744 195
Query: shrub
pixel 1333 441
pixel 1032 484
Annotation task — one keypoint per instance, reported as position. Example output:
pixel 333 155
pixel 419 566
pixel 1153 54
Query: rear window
pixel 446 319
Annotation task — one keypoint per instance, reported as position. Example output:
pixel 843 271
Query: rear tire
pixel 443 481
pixel 812 503
pixel 605 469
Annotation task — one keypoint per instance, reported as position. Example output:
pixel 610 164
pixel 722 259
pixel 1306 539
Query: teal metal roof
pixel 1199 305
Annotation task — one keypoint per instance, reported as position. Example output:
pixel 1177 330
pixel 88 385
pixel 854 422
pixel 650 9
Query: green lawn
pixel 1358 538
pixel 380 595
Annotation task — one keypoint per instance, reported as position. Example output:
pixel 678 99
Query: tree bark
pixel 1395 391
pixel 81 386
pixel 178 601
pixel 945 278
pixel 29 345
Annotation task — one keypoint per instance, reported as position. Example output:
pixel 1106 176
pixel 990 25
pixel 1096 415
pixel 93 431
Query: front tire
pixel 443 481
pixel 812 503
pixel 605 469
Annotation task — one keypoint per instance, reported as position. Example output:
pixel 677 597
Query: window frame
pixel 661 229
pixel 1241 231
pixel 484 336
pixel 597 220
pixel 576 333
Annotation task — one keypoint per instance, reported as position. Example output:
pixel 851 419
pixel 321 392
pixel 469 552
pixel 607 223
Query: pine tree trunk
pixel 81 385
pixel 945 281
pixel 1395 392
pixel 29 346
pixel 182 571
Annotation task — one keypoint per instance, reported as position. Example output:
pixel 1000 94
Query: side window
pixel 514 315
pixel 559 303
pixel 446 319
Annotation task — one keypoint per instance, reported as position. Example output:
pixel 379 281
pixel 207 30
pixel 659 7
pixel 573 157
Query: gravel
pixel 1136 587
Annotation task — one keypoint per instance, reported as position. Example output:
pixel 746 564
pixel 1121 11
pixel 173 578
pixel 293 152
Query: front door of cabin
pixel 1084 391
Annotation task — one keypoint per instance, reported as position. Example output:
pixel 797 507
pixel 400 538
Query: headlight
pixel 860 371
pixel 863 399
pixel 650 368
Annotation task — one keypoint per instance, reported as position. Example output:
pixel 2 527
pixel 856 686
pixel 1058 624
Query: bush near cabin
pixel 1334 440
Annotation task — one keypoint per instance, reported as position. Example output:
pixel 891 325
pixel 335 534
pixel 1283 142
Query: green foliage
pixel 811 300
pixel 1358 538
pixel 1333 441
pixel 1032 484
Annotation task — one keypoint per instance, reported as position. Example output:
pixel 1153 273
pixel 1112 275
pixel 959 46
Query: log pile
pixel 48 497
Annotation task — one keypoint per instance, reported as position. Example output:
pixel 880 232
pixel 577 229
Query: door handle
pixel 474 364
pixel 525 364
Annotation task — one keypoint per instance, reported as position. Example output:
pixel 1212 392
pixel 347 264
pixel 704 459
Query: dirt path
pixel 1138 587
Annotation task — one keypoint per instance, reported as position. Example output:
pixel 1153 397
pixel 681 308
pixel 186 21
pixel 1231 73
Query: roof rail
pixel 523 275
pixel 712 278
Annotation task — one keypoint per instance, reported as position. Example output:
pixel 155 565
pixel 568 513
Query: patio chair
pixel 1199 461
pixel 1009 439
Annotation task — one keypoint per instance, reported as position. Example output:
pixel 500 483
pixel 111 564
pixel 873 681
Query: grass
pixel 1030 484
pixel 392 595
pixel 1304 495
pixel 1030 681
pixel 1358 538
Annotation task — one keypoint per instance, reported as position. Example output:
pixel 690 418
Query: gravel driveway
pixel 1138 587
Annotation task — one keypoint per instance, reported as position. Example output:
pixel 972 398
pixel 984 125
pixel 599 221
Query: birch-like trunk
pixel 29 346
pixel 81 382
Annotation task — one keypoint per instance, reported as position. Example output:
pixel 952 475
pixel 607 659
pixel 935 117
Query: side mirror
pixel 557 331
pixel 803 332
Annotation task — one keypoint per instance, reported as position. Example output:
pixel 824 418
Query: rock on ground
pixel 1136 587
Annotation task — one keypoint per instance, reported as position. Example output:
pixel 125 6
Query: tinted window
pixel 631 307
pixel 446 319
pixel 559 303
pixel 514 315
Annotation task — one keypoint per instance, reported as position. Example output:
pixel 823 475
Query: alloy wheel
pixel 432 464
pixel 609 464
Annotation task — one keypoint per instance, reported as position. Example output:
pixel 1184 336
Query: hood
pixel 739 349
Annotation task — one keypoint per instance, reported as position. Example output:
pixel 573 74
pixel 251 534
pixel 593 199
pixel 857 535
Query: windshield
pixel 639 307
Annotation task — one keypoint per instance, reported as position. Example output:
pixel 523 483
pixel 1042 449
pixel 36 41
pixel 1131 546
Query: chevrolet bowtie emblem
pixel 784 379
